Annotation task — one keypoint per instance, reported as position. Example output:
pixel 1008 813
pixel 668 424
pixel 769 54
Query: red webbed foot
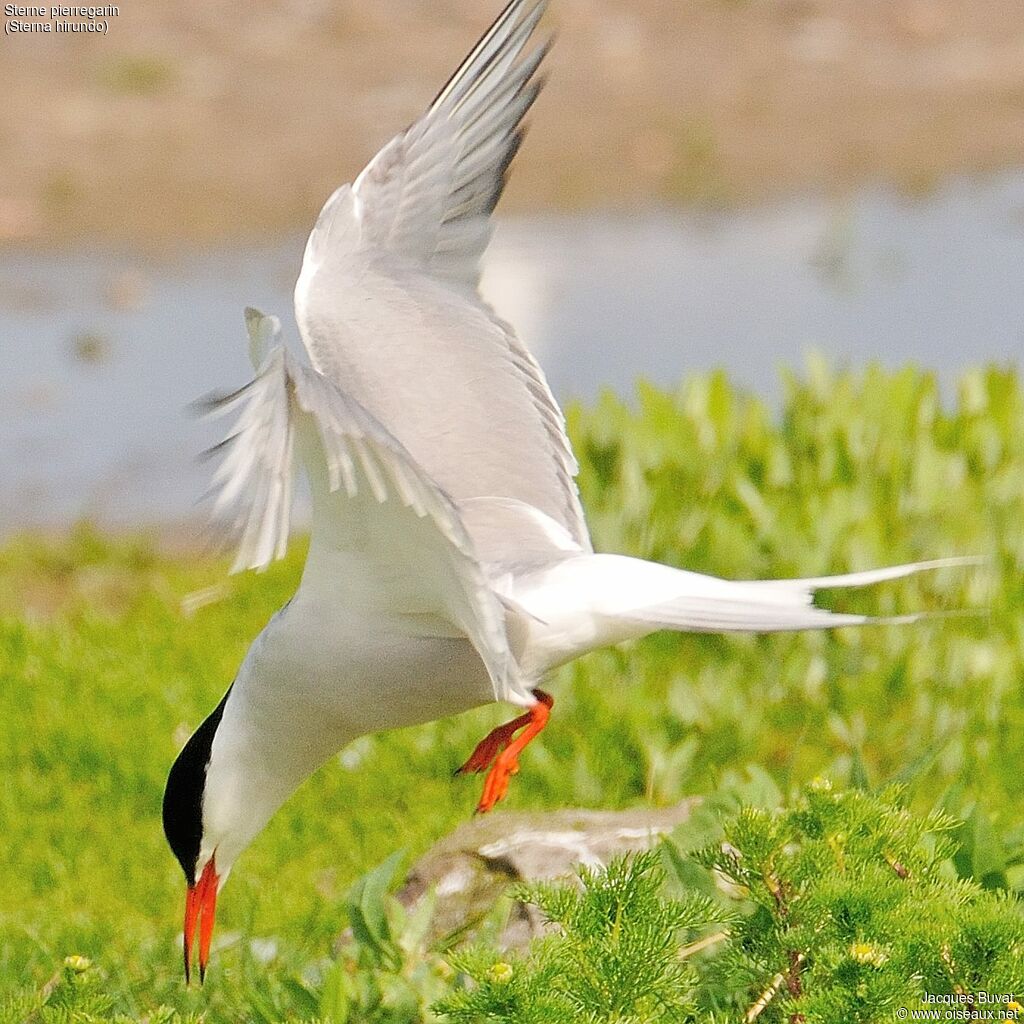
pixel 500 750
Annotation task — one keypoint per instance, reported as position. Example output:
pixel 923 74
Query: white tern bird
pixel 449 563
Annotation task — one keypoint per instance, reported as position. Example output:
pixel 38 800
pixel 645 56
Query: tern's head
pixel 184 800
pixel 222 790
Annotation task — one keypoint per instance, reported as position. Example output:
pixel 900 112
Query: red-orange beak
pixel 201 907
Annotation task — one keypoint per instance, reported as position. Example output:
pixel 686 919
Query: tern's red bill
pixel 201 908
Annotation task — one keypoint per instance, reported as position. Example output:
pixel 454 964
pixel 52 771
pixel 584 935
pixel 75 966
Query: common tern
pixel 449 563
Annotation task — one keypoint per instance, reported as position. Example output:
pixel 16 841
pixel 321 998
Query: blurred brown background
pixel 198 121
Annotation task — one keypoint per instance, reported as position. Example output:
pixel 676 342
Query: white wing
pixel 370 500
pixel 387 300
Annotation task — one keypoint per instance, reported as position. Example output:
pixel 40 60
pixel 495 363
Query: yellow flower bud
pixel 500 973
pixel 868 953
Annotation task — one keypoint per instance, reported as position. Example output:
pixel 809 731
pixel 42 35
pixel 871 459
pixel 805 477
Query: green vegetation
pixel 615 956
pixel 844 908
pixel 103 675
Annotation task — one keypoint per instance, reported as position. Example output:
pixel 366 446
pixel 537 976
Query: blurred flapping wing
pixel 373 505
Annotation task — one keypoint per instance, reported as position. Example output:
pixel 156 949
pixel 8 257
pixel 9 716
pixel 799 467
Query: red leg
pixel 500 748
pixel 492 745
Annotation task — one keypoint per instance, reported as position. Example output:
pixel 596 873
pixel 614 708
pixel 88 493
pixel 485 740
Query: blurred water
pixel 103 351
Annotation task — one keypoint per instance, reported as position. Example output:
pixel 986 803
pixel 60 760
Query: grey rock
pixel 473 867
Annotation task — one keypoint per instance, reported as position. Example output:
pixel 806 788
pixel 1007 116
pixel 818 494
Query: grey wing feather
pixel 427 195
pixel 387 304
pixel 510 536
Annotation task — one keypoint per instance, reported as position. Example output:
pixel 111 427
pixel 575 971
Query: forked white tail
pixel 588 601
pixel 568 601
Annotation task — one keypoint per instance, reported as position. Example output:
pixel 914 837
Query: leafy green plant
pixel 843 907
pixel 856 470
pixel 76 994
pixel 855 910
pixel 615 954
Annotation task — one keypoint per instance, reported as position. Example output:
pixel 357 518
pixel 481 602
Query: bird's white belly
pixel 343 677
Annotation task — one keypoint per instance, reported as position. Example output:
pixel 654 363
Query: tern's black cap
pixel 183 797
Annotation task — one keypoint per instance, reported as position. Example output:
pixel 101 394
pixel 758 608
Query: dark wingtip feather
pixel 502 175
pixel 217 401
pixel 216 449
pixel 509 13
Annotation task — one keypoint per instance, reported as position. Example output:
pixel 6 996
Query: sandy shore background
pixel 209 121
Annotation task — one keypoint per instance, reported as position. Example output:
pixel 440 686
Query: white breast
pixel 322 666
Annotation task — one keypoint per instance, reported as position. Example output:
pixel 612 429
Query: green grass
pixel 102 677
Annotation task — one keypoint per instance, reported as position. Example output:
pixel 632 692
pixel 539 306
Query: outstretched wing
pixel 426 197
pixel 400 536
pixel 387 300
